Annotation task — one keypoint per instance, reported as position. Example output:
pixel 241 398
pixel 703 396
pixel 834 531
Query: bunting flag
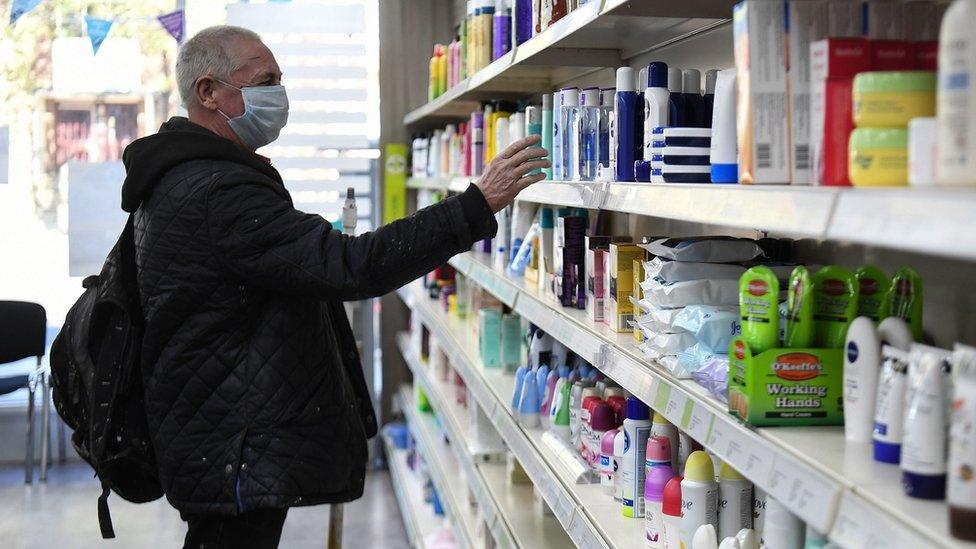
pixel 20 7
pixel 97 30
pixel 174 23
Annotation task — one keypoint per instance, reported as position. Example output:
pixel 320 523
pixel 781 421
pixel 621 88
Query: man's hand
pixel 506 175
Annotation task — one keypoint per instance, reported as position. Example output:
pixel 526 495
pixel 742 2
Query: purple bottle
pixel 523 20
pixel 502 29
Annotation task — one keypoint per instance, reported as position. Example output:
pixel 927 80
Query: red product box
pixel 833 64
pixel 925 56
pixel 891 55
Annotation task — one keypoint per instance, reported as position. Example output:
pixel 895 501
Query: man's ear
pixel 204 89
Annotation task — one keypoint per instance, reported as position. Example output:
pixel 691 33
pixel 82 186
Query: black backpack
pixel 98 383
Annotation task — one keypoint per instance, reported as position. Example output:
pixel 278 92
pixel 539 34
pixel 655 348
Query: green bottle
pixel 872 285
pixel 835 306
pixel 799 309
pixel 759 308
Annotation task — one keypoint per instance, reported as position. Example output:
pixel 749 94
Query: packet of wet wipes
pixel 691 292
pixel 706 249
pixel 714 327
pixel 664 270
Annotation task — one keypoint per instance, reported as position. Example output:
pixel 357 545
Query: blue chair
pixel 23 329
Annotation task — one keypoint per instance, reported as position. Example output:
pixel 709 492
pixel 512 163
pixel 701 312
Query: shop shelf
pixel 418 517
pixel 833 486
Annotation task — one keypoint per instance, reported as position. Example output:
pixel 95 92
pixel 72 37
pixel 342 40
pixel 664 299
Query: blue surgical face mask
pixel 265 114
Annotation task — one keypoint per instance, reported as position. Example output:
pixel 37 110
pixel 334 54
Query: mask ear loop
pixel 229 86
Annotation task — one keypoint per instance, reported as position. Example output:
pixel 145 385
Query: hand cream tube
pixel 923 456
pixel 889 408
pixel 962 446
pixel 723 155
pixel 759 308
pixel 799 309
pixel 872 292
pixel 835 305
pixel 862 361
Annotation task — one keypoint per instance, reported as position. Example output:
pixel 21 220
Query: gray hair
pixel 207 53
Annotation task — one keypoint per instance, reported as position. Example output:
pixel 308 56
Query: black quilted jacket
pixel 254 390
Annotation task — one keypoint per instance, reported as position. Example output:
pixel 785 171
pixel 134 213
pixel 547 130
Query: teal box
pixel 511 342
pixel 490 344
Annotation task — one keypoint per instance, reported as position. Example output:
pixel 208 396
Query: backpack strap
pixel 104 516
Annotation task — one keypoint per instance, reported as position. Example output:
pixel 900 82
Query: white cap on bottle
pixel 711 76
pixel 674 80
pixel 691 81
pixel 590 97
pixel 569 97
pixel 625 80
pixel 642 78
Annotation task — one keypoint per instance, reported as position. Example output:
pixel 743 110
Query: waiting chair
pixel 23 330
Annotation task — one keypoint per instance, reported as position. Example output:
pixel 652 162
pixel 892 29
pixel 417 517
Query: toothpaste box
pixel 833 64
pixel 786 386
pixel 806 23
pixel 596 248
pixel 619 283
pixel 845 19
pixel 762 108
pixel 884 20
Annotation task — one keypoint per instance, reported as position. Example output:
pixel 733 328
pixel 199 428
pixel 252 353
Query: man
pixel 254 392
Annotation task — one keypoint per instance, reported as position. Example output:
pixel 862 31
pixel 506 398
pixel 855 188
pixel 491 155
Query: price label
pixel 662 397
pixel 808 494
pixel 718 438
pixel 699 423
pixel 675 407
pixel 582 533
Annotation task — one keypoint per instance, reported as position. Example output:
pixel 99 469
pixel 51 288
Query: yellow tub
pixel 878 157
pixel 889 99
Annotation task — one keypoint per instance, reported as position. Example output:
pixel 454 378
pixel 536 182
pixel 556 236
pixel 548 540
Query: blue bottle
pixel 676 101
pixel 589 134
pixel 626 105
pixel 694 103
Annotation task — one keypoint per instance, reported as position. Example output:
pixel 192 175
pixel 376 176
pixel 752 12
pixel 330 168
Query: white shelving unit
pixel 833 486
pixel 502 503
pixel 445 471
pixel 418 517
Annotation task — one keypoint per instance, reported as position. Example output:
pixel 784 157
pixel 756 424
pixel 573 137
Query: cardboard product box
pixel 573 271
pixel 596 248
pixel 786 386
pixel 884 20
pixel 891 55
pixel 759 30
pixel 619 281
pixel 807 22
pixel 925 56
pixel 845 19
pixel 833 64
pixel 638 293
pixel 558 243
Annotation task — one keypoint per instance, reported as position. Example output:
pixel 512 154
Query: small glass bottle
pixel 589 134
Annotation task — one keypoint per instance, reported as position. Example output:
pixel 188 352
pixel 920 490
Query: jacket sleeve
pixel 262 239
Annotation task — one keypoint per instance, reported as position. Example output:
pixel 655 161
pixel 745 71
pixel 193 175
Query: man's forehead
pixel 255 57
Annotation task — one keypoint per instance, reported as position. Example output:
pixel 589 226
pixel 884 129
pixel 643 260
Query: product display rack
pixel 834 486
pixel 418 518
pixel 596 35
pixel 502 503
pixel 445 470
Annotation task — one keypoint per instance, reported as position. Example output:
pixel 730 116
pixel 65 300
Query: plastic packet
pixel 664 270
pixel 714 327
pixel 657 320
pixel 714 376
pixel 706 249
pixel 667 344
pixel 691 292
pixel 695 357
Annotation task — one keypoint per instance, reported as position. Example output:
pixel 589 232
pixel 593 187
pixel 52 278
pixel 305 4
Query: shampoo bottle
pixel 547 129
pixel 759 308
pixel 962 445
pixel 862 364
pixel 923 452
pixel 699 496
pixel 671 509
pixel 799 310
pixel 654 485
pixel 889 408
pixel 735 502
pixel 835 305
pixel 637 428
pixel 625 123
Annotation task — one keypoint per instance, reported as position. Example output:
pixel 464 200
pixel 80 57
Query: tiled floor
pixel 62 515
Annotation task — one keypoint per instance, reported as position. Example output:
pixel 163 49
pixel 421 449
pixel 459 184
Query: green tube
pixel 835 306
pixel 799 306
pixel 759 308
pixel 905 299
pixel 872 284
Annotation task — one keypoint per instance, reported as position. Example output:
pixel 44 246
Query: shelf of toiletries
pixel 497 498
pixel 446 472
pixel 418 519
pixel 596 34
pixel 832 485
pixel 890 218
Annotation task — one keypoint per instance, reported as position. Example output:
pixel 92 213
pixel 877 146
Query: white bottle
pixel 894 331
pixel 748 539
pixel 699 496
pixel 957 96
pixel 636 429
pixel 783 529
pixel 619 444
pixel 862 363
pixel 734 502
pixel 962 446
pixel 655 103
pixel 704 538
pixel 758 511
